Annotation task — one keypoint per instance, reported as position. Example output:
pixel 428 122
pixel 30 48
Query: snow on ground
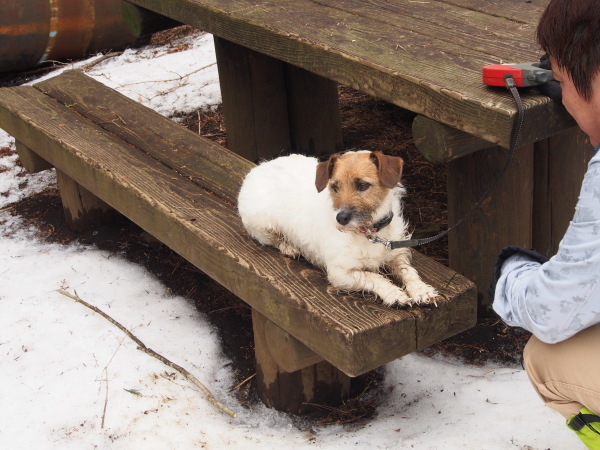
pixel 70 379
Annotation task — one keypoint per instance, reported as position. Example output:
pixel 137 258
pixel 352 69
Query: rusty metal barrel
pixel 34 31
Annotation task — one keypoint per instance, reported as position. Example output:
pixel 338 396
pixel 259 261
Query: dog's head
pixel 358 183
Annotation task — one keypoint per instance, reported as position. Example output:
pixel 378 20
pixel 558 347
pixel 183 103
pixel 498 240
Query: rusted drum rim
pixel 34 31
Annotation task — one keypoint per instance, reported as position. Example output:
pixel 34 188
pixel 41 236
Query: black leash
pixel 514 137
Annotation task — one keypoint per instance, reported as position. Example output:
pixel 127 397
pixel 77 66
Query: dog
pixel 326 211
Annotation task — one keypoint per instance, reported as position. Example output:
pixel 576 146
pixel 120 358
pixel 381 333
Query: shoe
pixel 586 425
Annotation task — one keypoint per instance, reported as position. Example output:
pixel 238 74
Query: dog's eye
pixel 335 187
pixel 362 185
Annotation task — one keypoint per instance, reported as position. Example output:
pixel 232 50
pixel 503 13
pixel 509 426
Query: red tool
pixel 525 74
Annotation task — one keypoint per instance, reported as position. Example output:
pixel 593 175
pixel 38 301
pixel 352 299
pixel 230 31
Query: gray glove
pixel 506 253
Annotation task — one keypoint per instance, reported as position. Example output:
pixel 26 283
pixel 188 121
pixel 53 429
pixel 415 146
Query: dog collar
pixel 378 225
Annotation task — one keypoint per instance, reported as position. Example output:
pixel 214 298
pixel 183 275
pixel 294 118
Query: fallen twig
pixel 105 370
pixel 99 60
pixel 235 388
pixel 8 208
pixel 149 351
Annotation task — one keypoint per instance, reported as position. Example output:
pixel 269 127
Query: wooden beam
pixel 560 164
pixel 83 210
pixel 314 113
pixel 30 160
pixel 142 22
pixel 505 215
pixel 320 383
pixel 440 143
pixel 254 102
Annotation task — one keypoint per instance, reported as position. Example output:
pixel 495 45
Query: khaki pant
pixel 566 375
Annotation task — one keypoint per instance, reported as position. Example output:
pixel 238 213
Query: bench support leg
pixel 292 392
pixel 30 160
pixel 83 210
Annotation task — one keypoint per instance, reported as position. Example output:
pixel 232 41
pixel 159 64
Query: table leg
pixel 504 217
pixel 560 164
pixel 314 113
pixel 532 206
pixel 254 101
pixel 272 108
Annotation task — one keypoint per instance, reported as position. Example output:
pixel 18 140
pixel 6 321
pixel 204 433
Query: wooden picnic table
pixel 280 62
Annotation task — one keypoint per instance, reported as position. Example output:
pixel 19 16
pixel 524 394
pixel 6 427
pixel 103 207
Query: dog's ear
pixel 389 167
pixel 324 171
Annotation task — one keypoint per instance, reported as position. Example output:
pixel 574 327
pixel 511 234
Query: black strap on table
pixel 514 137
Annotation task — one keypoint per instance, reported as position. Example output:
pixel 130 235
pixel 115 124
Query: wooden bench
pixel 112 153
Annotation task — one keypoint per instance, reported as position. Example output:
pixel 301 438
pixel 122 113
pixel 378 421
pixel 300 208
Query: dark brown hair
pixel 569 30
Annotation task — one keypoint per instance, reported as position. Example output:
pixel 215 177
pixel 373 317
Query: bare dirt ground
pixel 367 123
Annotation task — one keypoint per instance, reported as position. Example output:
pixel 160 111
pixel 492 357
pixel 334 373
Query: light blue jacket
pixel 561 297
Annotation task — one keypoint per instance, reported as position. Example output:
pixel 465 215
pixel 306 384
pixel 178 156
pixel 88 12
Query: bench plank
pixel 406 62
pixel 197 158
pixel 354 333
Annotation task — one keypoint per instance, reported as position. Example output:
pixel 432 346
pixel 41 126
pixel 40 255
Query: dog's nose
pixel 344 217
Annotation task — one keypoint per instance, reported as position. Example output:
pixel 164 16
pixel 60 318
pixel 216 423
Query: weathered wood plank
pixel 314 113
pixel 424 74
pixel 449 316
pixel 30 160
pixel 254 102
pixel 83 210
pixel 522 11
pixel 202 161
pixel 440 143
pixel 504 218
pixel 444 23
pixel 562 157
pixel 354 333
pixel 290 391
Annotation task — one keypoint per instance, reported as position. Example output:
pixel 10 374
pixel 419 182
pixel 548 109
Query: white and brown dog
pixel 284 203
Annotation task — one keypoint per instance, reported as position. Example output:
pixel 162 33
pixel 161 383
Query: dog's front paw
pixel 395 296
pixel 288 249
pixel 422 294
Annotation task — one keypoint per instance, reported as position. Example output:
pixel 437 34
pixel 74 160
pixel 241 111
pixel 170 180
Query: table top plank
pixel 446 23
pixel 423 56
pixel 522 11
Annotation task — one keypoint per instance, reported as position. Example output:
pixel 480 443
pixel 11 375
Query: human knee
pixel 536 356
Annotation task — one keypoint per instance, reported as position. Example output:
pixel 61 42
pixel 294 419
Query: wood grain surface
pixel 207 164
pixel 354 333
pixel 423 56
